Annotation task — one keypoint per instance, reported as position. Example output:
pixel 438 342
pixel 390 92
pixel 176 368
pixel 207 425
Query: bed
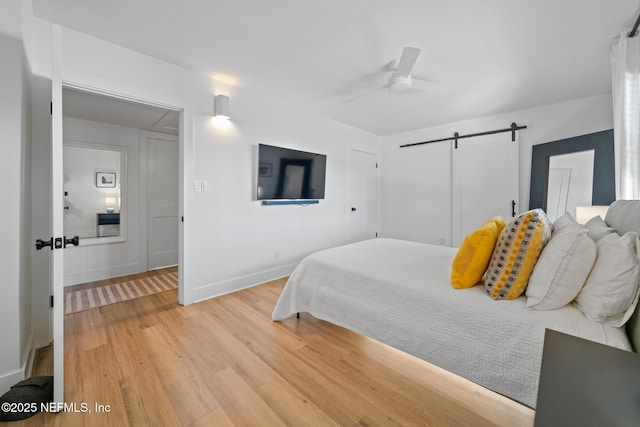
pixel 399 292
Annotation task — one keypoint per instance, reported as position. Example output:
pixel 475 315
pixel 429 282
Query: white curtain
pixel 625 58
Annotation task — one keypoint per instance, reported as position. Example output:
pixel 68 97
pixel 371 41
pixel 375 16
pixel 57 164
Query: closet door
pixel 363 220
pixel 485 182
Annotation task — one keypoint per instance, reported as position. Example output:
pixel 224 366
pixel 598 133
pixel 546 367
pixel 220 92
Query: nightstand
pixel 584 383
pixel 108 224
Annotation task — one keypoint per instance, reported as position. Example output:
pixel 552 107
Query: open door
pixel 57 241
pixel 54 242
pixel 57 218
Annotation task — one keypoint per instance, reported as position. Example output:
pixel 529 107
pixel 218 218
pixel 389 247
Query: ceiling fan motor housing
pixel 399 83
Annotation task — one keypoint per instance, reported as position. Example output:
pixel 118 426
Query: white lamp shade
pixel 585 213
pixel 222 106
pixel 110 202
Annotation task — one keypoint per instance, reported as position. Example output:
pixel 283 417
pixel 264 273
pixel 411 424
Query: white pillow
pixel 565 221
pixel 598 228
pixel 610 293
pixel 562 269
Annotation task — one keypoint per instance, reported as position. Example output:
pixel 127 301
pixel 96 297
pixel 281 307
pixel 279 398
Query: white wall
pixel 15 123
pixel 40 216
pixel 414 189
pixel 95 262
pixel 26 334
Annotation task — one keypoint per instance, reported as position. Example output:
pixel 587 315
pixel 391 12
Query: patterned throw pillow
pixel 516 253
pixel 474 254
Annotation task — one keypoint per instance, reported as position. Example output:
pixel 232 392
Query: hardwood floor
pixel 224 362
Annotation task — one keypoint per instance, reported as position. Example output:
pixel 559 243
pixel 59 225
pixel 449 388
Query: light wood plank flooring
pixel 224 362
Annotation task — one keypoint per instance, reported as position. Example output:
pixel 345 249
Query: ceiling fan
pixel 401 79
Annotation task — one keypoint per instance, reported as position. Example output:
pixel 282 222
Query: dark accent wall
pixel 604 190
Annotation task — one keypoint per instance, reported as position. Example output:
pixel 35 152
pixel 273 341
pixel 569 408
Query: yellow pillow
pixel 499 222
pixel 473 256
pixel 516 253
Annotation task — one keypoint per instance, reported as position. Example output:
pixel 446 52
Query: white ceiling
pixel 484 57
pixel 100 108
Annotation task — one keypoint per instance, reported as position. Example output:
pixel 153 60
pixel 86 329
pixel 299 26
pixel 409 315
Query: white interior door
pixel 484 182
pixel 162 201
pixel 363 221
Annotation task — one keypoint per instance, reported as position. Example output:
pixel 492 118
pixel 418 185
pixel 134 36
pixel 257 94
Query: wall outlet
pixel 200 186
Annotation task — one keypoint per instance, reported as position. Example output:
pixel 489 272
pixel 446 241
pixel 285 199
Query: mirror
pixel 94 177
pixel 570 183
pixel 602 176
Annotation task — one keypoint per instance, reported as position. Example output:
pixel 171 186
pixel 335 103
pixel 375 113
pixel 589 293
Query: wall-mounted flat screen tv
pixel 290 174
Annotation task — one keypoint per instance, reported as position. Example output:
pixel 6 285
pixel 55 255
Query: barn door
pixel 485 182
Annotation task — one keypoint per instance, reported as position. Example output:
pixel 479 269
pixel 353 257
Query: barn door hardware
pixel 456 136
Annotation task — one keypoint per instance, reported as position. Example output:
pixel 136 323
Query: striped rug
pixel 85 299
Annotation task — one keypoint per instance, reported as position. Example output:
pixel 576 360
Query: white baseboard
pixel 87 276
pixel 232 285
pixel 9 379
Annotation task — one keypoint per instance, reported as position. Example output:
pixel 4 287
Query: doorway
pixel 135 215
pixel 121 198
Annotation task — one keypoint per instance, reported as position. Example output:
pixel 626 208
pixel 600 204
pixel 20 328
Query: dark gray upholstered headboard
pixel 624 216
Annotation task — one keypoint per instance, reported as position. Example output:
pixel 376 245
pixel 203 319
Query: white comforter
pixel 399 292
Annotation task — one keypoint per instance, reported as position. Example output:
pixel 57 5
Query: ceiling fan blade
pixel 423 78
pixel 411 92
pixel 407 60
pixel 365 93
pixel 432 86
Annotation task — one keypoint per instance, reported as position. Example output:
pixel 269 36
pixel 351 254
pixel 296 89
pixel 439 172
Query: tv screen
pixel 290 174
